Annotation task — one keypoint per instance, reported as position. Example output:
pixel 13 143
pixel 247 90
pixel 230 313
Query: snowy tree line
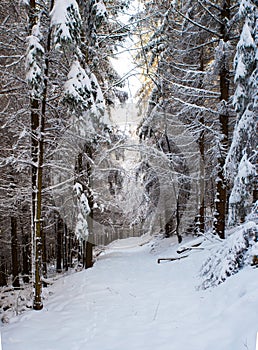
pixel 55 74
pixel 199 60
pixel 199 78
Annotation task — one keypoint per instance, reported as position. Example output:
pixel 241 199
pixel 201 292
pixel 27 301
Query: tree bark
pixel 38 119
pixel 59 245
pixel 26 258
pixel 3 279
pixel 224 79
pixel 38 305
pixel 201 143
pixel 89 247
pixel 26 247
pixel 44 256
pixel 15 260
pixel 201 216
pixel 65 248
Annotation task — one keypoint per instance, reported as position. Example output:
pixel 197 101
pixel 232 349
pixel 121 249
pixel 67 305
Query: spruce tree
pixel 242 157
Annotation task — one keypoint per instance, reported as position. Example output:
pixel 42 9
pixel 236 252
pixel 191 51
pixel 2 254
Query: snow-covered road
pixel 128 301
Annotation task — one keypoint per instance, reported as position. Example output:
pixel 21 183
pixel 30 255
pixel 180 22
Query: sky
pixel 124 57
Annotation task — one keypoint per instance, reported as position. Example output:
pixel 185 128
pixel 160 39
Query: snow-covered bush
pixel 229 256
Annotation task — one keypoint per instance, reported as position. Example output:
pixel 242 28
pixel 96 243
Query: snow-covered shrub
pixel 229 256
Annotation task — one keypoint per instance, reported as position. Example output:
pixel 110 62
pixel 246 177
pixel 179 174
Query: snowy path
pixel 128 301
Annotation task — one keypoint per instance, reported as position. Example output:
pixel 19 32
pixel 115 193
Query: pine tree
pixel 35 79
pixel 242 156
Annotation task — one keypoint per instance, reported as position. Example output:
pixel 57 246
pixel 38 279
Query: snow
pixel 128 301
pixel 33 61
pixel 78 83
pixel 101 10
pixel 246 39
pixel 81 229
pixel 78 189
pixel 84 204
pixel 65 16
pixel 240 71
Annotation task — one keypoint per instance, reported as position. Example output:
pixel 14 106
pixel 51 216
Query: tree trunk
pixel 89 245
pixel 3 279
pixel 201 216
pixel 36 178
pixel 201 143
pixel 26 248
pixel 70 250
pixel 44 256
pixel 221 188
pixel 38 127
pixel 89 255
pixel 179 237
pixel 59 245
pixel 65 248
pixel 38 305
pixel 34 124
pixel 15 260
pixel 26 258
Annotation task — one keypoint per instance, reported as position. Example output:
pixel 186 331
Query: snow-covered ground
pixel 128 301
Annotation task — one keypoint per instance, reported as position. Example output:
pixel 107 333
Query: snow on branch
pixel 229 256
pixel 245 8
pixel 240 192
pixel 33 63
pixel 81 229
pixel 78 88
pixel 66 19
pixel 82 93
pixel 100 11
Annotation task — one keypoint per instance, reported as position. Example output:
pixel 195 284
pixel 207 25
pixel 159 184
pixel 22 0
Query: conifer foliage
pixel 242 157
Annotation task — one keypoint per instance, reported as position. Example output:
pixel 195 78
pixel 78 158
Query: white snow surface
pixel 128 301
pixel 65 21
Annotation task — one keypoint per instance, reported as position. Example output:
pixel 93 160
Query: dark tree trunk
pixel 44 256
pixel 41 116
pixel 201 142
pixel 26 245
pixel 59 244
pixel 26 248
pixel 89 255
pixel 83 249
pixel 35 176
pixel 3 279
pixel 70 250
pixel 179 237
pixel 201 216
pixel 34 122
pixel 65 248
pixel 221 188
pixel 15 260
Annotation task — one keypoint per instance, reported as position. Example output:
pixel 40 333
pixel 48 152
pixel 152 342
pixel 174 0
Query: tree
pixel 37 77
pixel 192 50
pixel 242 157
pixel 89 73
pixel 14 160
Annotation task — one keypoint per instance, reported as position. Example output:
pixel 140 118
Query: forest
pixel 72 180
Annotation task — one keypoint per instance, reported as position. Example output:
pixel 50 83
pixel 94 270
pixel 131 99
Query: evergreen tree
pixel 242 157
pixel 192 50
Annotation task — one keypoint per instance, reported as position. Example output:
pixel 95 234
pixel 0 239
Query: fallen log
pixel 183 249
pixel 172 259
